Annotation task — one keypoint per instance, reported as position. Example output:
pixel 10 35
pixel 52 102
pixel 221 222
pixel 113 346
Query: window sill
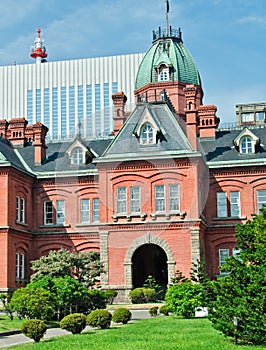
pixel 84 224
pixel 22 223
pixel 54 225
pixel 168 215
pixel 229 218
pixel 129 217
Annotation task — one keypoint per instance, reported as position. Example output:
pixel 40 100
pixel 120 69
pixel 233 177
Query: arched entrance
pixel 149 259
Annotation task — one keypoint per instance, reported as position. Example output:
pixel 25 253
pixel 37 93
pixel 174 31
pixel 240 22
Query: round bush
pixel 99 318
pixel 74 323
pixel 153 311
pixel 34 329
pixel 164 310
pixel 149 294
pixel 110 295
pixel 122 315
pixel 137 296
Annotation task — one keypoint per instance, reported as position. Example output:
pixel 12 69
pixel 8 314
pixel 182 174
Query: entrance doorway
pixel 149 260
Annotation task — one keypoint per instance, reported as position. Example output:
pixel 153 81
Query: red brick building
pixel 166 189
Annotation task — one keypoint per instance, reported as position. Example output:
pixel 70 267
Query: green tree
pixel 32 303
pixel 240 295
pixel 85 267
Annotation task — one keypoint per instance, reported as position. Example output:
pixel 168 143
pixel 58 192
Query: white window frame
pixel 20 209
pixel 20 266
pixel 261 199
pixel 247 145
pixel 77 156
pixel 135 199
pixel 160 199
pixel 48 213
pixel 223 255
pixel 85 210
pixel 227 205
pixel 121 200
pixel 174 197
pixel 17 209
pixel 96 209
pixel 147 135
pixel 60 212
pixel 221 201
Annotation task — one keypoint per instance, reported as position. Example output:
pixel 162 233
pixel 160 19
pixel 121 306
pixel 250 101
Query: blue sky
pixel 225 37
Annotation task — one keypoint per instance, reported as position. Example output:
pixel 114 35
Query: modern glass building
pixel 68 96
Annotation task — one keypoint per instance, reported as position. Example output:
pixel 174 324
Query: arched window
pixel 246 145
pixel 77 156
pixel 147 135
pixel 163 73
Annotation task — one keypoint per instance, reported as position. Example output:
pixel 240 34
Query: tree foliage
pixel 85 266
pixel 241 294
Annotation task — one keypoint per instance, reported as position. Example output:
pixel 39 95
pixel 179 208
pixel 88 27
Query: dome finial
pixel 167 11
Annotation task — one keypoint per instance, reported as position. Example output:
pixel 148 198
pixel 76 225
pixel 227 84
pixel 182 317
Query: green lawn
pixel 160 333
pixel 6 324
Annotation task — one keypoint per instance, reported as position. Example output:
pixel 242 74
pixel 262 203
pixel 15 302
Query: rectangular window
pixel 96 210
pixel 260 116
pixel 22 210
pixel 174 197
pixel 30 107
pixel 159 198
pixel 223 255
pixel 20 266
pixel 17 209
pixel 63 112
pixel 48 213
pixel 221 204
pixel 85 210
pixel 234 204
pixel 261 199
pixel 135 199
pixel 247 117
pixel 122 200
pixel 60 212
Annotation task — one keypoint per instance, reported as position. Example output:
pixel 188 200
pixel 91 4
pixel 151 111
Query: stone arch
pixel 148 239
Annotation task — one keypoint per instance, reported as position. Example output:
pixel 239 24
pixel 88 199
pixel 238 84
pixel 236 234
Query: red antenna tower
pixel 38 51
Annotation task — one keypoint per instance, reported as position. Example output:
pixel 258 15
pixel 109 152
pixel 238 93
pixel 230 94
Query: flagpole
pixel 167 24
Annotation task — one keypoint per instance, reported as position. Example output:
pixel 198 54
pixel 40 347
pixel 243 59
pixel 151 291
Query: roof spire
pixel 167 11
pixel 38 51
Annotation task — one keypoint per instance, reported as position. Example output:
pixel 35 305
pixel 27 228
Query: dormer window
pixel 147 135
pixel 246 142
pixel 246 145
pixel 77 156
pixel 163 73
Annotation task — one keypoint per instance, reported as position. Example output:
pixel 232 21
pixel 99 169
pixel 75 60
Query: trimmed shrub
pixel 110 295
pixel 153 311
pixel 74 323
pixel 164 310
pixel 121 315
pixel 34 329
pixel 149 294
pixel 99 318
pixel 137 296
pixel 142 295
pixel 97 299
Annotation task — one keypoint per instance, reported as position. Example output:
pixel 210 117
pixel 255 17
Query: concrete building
pixel 166 189
pixel 66 95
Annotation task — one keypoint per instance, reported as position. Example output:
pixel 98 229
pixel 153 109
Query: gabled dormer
pixel 163 67
pixel 79 153
pixel 147 128
pixel 246 142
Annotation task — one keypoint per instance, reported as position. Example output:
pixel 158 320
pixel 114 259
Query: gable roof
pixel 171 142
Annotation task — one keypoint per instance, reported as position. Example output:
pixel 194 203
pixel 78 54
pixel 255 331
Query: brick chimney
pixel 39 133
pixel 3 128
pixel 16 131
pixel 119 100
pixel 208 121
pixel 191 114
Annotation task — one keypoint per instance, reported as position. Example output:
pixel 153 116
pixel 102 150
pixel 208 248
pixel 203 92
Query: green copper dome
pixel 168 49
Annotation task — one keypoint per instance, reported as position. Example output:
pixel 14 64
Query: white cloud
pixel 253 19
